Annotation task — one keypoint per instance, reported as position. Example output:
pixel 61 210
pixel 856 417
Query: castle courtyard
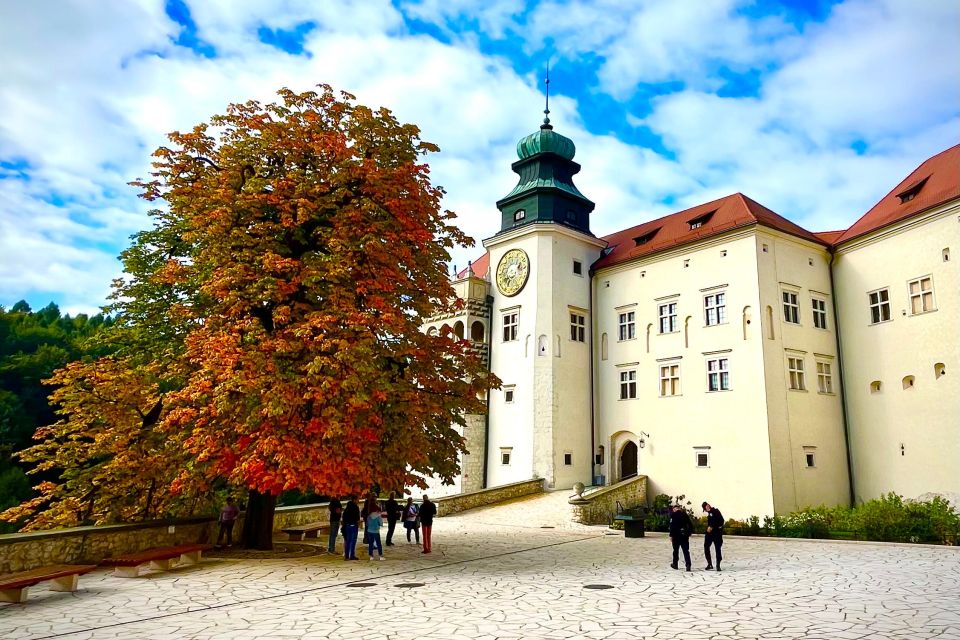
pixel 520 570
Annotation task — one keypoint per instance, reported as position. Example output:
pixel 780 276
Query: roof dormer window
pixel 645 238
pixel 699 221
pixel 519 215
pixel 911 192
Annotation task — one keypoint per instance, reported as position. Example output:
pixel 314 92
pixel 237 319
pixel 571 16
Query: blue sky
pixel 815 109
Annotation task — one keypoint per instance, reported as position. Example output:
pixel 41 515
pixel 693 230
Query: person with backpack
pixel 411 519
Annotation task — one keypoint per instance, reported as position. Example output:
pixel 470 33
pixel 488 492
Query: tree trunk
pixel 258 521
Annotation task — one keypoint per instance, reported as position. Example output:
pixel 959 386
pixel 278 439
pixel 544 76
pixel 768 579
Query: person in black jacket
pixel 714 534
pixel 393 514
pixel 680 529
pixel 351 527
pixel 335 510
pixel 427 511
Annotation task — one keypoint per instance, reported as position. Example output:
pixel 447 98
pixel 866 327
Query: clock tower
pixel 541 338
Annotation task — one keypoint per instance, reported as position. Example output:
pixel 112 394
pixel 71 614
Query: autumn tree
pixel 299 251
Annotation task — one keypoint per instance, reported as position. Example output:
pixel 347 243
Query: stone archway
pixel 628 460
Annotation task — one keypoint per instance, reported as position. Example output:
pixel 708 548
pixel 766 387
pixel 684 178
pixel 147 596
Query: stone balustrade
pixel 598 506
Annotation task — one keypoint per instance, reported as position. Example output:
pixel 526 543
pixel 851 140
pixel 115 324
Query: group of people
pixel 681 527
pixel 347 519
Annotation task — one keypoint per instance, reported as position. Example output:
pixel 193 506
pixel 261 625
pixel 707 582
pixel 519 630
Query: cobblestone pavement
pixel 495 573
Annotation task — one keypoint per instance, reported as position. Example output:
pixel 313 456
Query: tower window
pixel 519 214
pixel 577 268
pixel 702 457
pixel 508 395
pixel 810 457
pixel 571 215
pixel 510 324
pixel 577 327
pixel 879 306
pixel 568 459
pixel 505 454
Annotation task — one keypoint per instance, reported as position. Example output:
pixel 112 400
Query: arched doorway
pixel 628 460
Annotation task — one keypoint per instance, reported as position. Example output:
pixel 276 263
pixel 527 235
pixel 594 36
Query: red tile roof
pixel 727 213
pixel 479 266
pixel 829 236
pixel 940 176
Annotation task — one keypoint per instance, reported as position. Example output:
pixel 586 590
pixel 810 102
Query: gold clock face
pixel 512 272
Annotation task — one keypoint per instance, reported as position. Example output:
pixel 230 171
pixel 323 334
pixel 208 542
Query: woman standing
pixel 411 520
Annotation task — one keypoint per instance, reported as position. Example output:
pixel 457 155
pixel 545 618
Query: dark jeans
pixel 373 538
pixel 415 531
pixel 350 541
pixel 716 539
pixel 681 542
pixel 391 525
pixel 332 541
pixel 226 528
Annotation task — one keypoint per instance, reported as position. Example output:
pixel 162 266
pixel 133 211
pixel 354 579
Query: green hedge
pixel 887 519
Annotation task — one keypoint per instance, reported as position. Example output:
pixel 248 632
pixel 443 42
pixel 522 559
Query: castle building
pixel 724 352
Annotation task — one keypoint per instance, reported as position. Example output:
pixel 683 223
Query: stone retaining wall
pixel 600 505
pixel 448 505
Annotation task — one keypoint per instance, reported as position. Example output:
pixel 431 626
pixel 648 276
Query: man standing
pixel 228 516
pixel 335 510
pixel 714 534
pixel 393 514
pixel 351 527
pixel 427 511
pixel 680 529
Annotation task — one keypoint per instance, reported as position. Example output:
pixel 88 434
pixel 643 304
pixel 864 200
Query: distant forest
pixel 33 344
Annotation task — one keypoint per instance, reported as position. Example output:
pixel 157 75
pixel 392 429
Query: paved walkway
pixel 495 573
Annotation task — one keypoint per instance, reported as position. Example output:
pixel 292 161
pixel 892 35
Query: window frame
pixel 796 376
pixel 578 268
pixel 506 455
pixel 511 330
pixel 921 294
pixel 877 308
pixel 628 384
pixel 578 330
pixel 670 316
pixel 819 314
pixel 722 374
pixel 825 377
pixel 673 379
pixel 787 306
pixel 719 307
pixel 626 326
pixel 701 451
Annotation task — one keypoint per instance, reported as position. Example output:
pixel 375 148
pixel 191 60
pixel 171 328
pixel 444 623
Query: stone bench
pixel 162 558
pixel 13 587
pixel 299 532
pixel 632 525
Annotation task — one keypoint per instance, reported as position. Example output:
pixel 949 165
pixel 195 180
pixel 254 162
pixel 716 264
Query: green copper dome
pixel 546 141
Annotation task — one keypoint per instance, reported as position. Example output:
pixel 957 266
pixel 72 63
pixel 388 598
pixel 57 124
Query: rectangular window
pixel 577 327
pixel 718 375
pixel 508 395
pixel 668 317
pixel 824 377
pixel 715 309
pixel 669 380
pixel 510 323
pixel 921 295
pixel 811 459
pixel 702 457
pixel 577 268
pixel 568 459
pixel 819 313
pixel 628 384
pixel 795 368
pixel 791 308
pixel 628 326
pixel 505 455
pixel 879 306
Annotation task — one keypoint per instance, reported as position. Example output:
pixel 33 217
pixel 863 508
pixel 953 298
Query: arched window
pixel 477 332
pixel 875 386
pixel 769 322
pixel 542 345
pixel 556 354
pixel 433 332
pixel 603 347
pixel 907 382
pixel 686 332
pixel 458 329
pixel 649 331
pixel 747 317
pixel 939 370
pixel 445 330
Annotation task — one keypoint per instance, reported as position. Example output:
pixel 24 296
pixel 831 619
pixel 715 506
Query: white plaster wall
pixel 925 418
pixel 732 423
pixel 799 419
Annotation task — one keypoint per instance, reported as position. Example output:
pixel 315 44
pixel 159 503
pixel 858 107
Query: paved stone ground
pixel 495 573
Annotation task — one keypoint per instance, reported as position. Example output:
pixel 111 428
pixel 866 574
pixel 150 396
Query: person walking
pixel 373 524
pixel 427 511
pixel 680 529
pixel 714 534
pixel 351 527
pixel 393 514
pixel 336 509
pixel 411 519
pixel 228 517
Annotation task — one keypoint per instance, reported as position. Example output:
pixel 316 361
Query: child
pixel 374 522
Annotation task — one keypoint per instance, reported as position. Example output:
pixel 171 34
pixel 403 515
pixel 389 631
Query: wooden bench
pixel 632 525
pixel 13 587
pixel 305 530
pixel 162 558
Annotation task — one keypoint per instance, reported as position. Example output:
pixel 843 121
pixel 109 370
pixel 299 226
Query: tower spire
pixel 546 111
